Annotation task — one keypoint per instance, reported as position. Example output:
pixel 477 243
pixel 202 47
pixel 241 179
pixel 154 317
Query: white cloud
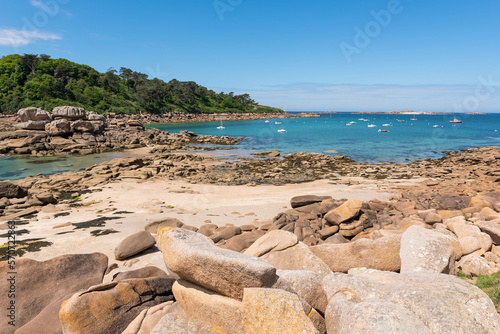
pixel 15 37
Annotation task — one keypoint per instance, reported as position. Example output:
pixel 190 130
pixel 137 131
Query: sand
pixel 127 206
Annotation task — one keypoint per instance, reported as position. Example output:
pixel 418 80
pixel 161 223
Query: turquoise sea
pixel 426 136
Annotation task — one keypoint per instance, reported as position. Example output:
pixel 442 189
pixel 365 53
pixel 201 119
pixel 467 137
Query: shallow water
pixel 18 167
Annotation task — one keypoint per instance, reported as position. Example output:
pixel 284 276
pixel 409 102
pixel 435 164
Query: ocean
pixel 409 137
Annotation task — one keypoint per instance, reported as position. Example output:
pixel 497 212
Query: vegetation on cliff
pixel 32 80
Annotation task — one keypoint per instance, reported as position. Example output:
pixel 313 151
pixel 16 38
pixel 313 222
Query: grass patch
pixel 491 286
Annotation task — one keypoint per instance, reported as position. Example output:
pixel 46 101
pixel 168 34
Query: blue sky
pixel 366 55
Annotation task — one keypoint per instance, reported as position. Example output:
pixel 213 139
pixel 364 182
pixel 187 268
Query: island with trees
pixel 38 80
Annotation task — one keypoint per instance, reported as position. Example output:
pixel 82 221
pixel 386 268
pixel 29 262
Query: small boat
pixel 362 119
pixel 220 127
pixel 401 120
pixel 435 126
pixel 267 121
pixel 386 124
pixel 281 130
pixel 372 126
pixel 380 130
pixel 455 120
pixel 413 119
pixel 277 122
pixel 348 124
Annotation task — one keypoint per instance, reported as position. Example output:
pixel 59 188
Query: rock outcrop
pixel 375 301
pixel 39 284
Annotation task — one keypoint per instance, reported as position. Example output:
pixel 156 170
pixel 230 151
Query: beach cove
pixel 298 215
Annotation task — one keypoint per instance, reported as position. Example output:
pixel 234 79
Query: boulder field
pixel 325 266
pixel 73 130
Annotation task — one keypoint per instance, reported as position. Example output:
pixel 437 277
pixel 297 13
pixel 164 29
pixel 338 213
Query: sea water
pixel 427 136
pixel 16 167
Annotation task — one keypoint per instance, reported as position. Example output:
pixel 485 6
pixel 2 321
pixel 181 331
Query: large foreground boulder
pixel 372 301
pixel 195 258
pixel 38 284
pixel 111 307
pixel 209 307
pixel 149 318
pixel 307 284
pixel 271 311
pixel 426 250
pixel 181 324
pixel 381 254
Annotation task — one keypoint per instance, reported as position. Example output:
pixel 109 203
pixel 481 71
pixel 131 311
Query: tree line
pixel 40 81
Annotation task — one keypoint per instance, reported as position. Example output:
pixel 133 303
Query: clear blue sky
pixel 297 55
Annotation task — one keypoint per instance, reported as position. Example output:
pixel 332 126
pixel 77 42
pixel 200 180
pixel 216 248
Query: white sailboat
pixel 220 127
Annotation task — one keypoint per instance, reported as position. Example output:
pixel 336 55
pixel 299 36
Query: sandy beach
pixel 127 206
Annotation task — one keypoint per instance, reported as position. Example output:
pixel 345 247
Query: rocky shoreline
pixel 465 173
pixel 322 264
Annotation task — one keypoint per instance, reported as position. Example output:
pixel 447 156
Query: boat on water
pixel 455 120
pixel 386 124
pixel 372 126
pixel 277 122
pixel 220 127
pixel 401 120
pixel 350 123
pixel 266 121
pixel 435 126
pixel 380 130
pixel 282 130
pixel 413 119
pixel 362 119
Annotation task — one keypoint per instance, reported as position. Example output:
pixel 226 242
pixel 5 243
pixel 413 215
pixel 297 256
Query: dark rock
pixel 38 284
pixel 241 242
pixel 46 198
pixel 328 231
pixel 47 321
pixel 134 244
pixel 145 272
pixel 306 200
pixel 11 190
pixel 336 239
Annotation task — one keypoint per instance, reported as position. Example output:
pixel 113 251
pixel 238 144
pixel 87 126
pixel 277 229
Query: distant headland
pixel 38 80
